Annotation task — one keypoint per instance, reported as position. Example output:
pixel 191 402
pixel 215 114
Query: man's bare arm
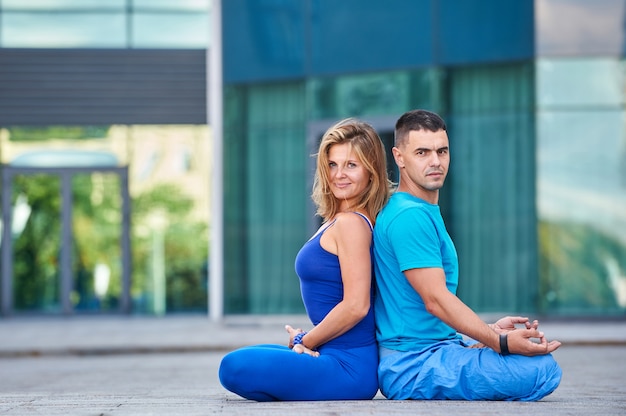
pixel 430 284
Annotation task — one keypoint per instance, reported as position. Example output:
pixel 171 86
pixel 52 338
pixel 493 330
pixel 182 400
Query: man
pixel 419 319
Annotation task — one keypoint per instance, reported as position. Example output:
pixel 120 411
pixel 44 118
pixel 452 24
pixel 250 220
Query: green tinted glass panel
pixel 389 93
pixel 581 199
pixel 581 82
pixel 265 198
pixel 490 195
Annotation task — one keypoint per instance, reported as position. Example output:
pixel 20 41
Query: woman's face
pixel 348 177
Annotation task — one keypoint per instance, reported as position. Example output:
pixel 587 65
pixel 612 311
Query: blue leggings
pixel 274 372
pixel 449 370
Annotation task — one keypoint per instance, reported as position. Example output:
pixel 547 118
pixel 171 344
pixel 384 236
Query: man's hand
pixel 520 341
pixel 507 324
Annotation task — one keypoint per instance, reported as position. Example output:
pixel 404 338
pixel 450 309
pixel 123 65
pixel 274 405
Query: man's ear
pixel 397 156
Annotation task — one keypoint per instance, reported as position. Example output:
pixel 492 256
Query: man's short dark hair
pixel 417 120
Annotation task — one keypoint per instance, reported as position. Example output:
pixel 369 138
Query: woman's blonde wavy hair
pixel 369 149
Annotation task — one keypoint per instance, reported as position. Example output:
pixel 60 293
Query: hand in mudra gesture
pixel 527 341
pixel 299 348
pixel 507 324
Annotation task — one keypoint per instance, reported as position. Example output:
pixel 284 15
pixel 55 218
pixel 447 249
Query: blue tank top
pixel 322 289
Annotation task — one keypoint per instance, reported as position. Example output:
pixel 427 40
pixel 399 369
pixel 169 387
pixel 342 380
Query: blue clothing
pixel 407 226
pixel 450 371
pixel 347 366
pixel 421 357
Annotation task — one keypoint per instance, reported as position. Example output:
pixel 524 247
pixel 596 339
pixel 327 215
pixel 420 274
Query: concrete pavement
pixel 118 365
pixel 76 335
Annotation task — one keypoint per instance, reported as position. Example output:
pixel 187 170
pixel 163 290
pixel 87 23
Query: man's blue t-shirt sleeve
pixel 414 238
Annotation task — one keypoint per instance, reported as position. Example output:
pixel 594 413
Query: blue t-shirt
pixel 410 234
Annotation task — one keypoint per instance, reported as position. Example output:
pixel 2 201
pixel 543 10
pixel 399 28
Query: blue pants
pixel 274 372
pixel 450 370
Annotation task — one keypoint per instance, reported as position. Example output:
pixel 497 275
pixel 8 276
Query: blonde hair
pixel 368 148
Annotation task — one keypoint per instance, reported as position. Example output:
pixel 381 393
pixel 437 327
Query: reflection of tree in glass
pixel 96 232
pixel 97 229
pixel 617 280
pixel 186 249
pixel 36 250
pixel 574 278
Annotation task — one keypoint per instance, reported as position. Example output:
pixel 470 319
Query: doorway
pixel 65 244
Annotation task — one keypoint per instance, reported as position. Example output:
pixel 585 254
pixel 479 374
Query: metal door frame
pixel 66 278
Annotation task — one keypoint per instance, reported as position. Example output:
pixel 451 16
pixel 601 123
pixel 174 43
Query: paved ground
pixel 168 366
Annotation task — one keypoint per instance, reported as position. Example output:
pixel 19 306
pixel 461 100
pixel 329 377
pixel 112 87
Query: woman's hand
pixel 292 333
pixel 299 348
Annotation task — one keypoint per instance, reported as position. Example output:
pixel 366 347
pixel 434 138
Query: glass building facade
pixel 581 156
pixel 104 24
pixel 105 156
pixel 533 93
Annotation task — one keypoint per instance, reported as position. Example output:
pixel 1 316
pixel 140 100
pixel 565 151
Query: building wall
pixel 492 185
pixel 581 156
pixel 283 39
pixel 400 55
pixel 99 87
pixel 501 73
pixel 126 78
pixel 533 92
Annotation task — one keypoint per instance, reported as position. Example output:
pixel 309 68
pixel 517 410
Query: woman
pixel 338 358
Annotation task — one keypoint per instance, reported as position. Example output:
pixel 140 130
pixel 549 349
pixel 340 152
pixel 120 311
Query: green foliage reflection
pixel 36 249
pixel 575 270
pixel 186 249
pixel 96 223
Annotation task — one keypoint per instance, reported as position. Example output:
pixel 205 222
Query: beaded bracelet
pixel 297 339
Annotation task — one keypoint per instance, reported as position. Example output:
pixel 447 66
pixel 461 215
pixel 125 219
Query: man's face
pixel 423 159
